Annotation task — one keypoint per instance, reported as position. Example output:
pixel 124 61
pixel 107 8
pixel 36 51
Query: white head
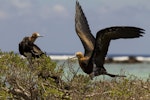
pixel 36 35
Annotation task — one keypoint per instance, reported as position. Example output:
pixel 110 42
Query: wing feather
pixel 26 47
pixel 83 30
pixel 37 51
pixel 104 37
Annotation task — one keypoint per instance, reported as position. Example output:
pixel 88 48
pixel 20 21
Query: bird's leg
pixel 97 71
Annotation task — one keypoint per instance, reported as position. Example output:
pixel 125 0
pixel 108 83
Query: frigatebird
pixel 93 59
pixel 27 47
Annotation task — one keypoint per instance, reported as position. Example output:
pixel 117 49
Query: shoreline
pixel 114 59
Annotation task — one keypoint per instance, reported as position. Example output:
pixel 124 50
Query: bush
pixel 42 79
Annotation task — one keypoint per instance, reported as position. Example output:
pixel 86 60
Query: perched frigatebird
pixel 92 61
pixel 27 47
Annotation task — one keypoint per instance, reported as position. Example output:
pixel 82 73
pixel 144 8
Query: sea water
pixel 140 70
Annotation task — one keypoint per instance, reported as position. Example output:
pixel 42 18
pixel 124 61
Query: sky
pixel 55 20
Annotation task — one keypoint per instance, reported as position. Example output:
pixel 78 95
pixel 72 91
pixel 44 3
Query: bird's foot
pixel 91 76
pixel 97 71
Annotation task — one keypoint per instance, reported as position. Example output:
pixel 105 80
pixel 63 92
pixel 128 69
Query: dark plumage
pixel 96 48
pixel 27 47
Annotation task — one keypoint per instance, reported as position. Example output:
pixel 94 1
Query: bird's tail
pixel 102 71
pixel 113 75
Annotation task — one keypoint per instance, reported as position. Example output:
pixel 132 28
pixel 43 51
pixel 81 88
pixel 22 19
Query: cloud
pixel 3 15
pixel 58 8
pixel 21 3
pixel 54 11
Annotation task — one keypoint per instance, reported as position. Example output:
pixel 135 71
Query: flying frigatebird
pixel 27 47
pixel 93 59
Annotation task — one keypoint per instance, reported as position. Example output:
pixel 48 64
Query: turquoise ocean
pixel 140 70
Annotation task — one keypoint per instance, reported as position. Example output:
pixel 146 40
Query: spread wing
pixel 104 37
pixel 83 30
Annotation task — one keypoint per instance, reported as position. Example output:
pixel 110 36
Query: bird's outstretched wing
pixel 83 30
pixel 104 37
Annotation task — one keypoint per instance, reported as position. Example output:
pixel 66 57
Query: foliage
pixel 42 79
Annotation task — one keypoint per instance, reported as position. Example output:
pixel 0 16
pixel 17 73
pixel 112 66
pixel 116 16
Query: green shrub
pixel 42 79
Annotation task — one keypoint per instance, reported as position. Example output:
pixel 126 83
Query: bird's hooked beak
pixel 73 58
pixel 38 35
